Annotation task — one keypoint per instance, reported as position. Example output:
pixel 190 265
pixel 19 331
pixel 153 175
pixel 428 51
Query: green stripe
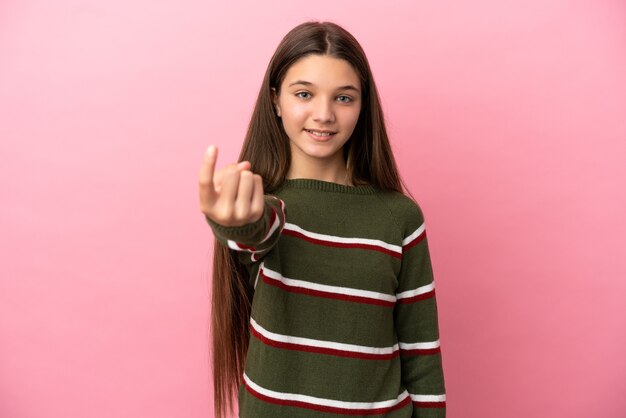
pixel 417 321
pixel 422 374
pixel 323 375
pixel 252 407
pixel 322 318
pixel 357 268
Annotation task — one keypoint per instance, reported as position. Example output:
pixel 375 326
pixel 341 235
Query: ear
pixel 275 100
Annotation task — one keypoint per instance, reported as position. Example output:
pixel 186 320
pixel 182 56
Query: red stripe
pixel 329 295
pixel 323 350
pixel 415 241
pixel 415 298
pixel 282 209
pixel 342 244
pixel 324 408
pixel 342 353
pixel 272 219
pixel 429 404
pixel 420 351
pixel 245 247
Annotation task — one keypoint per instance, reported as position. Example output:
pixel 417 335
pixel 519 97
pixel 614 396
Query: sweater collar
pixel 315 184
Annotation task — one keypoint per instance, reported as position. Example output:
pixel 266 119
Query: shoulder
pixel 406 211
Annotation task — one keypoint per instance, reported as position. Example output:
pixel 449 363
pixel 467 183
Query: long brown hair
pixel 369 160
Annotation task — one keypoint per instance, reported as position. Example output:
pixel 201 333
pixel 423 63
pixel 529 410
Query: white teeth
pixel 319 133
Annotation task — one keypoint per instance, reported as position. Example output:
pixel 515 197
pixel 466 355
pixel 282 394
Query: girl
pixel 323 301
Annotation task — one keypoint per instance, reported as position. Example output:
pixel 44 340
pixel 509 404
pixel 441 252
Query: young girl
pixel 323 299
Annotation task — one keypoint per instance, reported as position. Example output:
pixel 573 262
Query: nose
pixel 323 111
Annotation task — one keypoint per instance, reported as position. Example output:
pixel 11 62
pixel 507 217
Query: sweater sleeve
pixel 254 240
pixel 416 323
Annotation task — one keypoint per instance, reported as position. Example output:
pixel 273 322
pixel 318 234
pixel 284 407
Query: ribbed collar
pixel 315 184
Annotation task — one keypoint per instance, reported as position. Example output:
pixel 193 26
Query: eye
pixel 302 92
pixel 347 97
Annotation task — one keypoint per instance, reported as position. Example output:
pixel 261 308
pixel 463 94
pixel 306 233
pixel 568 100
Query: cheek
pixel 295 111
pixel 350 116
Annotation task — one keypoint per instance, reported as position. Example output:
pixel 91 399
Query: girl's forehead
pixel 321 71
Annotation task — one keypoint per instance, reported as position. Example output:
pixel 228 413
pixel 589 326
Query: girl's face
pixel 319 93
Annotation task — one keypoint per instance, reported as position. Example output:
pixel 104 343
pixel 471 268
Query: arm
pixel 253 240
pixel 416 322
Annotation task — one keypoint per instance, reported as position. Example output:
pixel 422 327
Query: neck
pixel 339 176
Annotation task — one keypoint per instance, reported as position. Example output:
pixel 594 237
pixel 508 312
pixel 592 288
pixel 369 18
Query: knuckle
pixel 256 214
pixel 217 213
pixel 241 212
pixel 208 212
pixel 231 173
pixel 225 213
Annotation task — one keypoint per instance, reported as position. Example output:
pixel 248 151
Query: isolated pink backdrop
pixel 508 123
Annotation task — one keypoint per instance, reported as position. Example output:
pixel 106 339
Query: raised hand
pixel 231 196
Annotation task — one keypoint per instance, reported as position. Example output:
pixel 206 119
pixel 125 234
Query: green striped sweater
pixel 344 317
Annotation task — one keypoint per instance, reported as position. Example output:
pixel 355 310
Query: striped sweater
pixel 344 317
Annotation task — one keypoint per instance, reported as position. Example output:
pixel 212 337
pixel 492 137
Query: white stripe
pixel 418 291
pixel 324 401
pixel 233 244
pixel 322 343
pixel 256 279
pixel 328 288
pixel 253 253
pixel 277 221
pixel 333 238
pixel 414 235
pixel 419 346
pixel 273 228
pixel 428 398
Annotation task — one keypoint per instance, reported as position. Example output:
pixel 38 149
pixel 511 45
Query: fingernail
pixel 210 150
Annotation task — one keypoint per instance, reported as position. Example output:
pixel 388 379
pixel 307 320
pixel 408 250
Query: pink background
pixel 508 123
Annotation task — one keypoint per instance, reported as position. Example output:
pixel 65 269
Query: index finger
pixel 208 168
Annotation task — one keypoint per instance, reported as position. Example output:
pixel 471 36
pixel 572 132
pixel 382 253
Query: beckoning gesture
pixel 231 196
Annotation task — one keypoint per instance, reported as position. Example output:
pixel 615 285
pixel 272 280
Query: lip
pixel 320 138
pixel 321 130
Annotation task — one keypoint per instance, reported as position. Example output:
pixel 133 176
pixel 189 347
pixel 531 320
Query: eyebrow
pixel 308 83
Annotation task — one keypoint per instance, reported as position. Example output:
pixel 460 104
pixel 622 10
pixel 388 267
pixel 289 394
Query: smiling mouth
pixel 320 134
